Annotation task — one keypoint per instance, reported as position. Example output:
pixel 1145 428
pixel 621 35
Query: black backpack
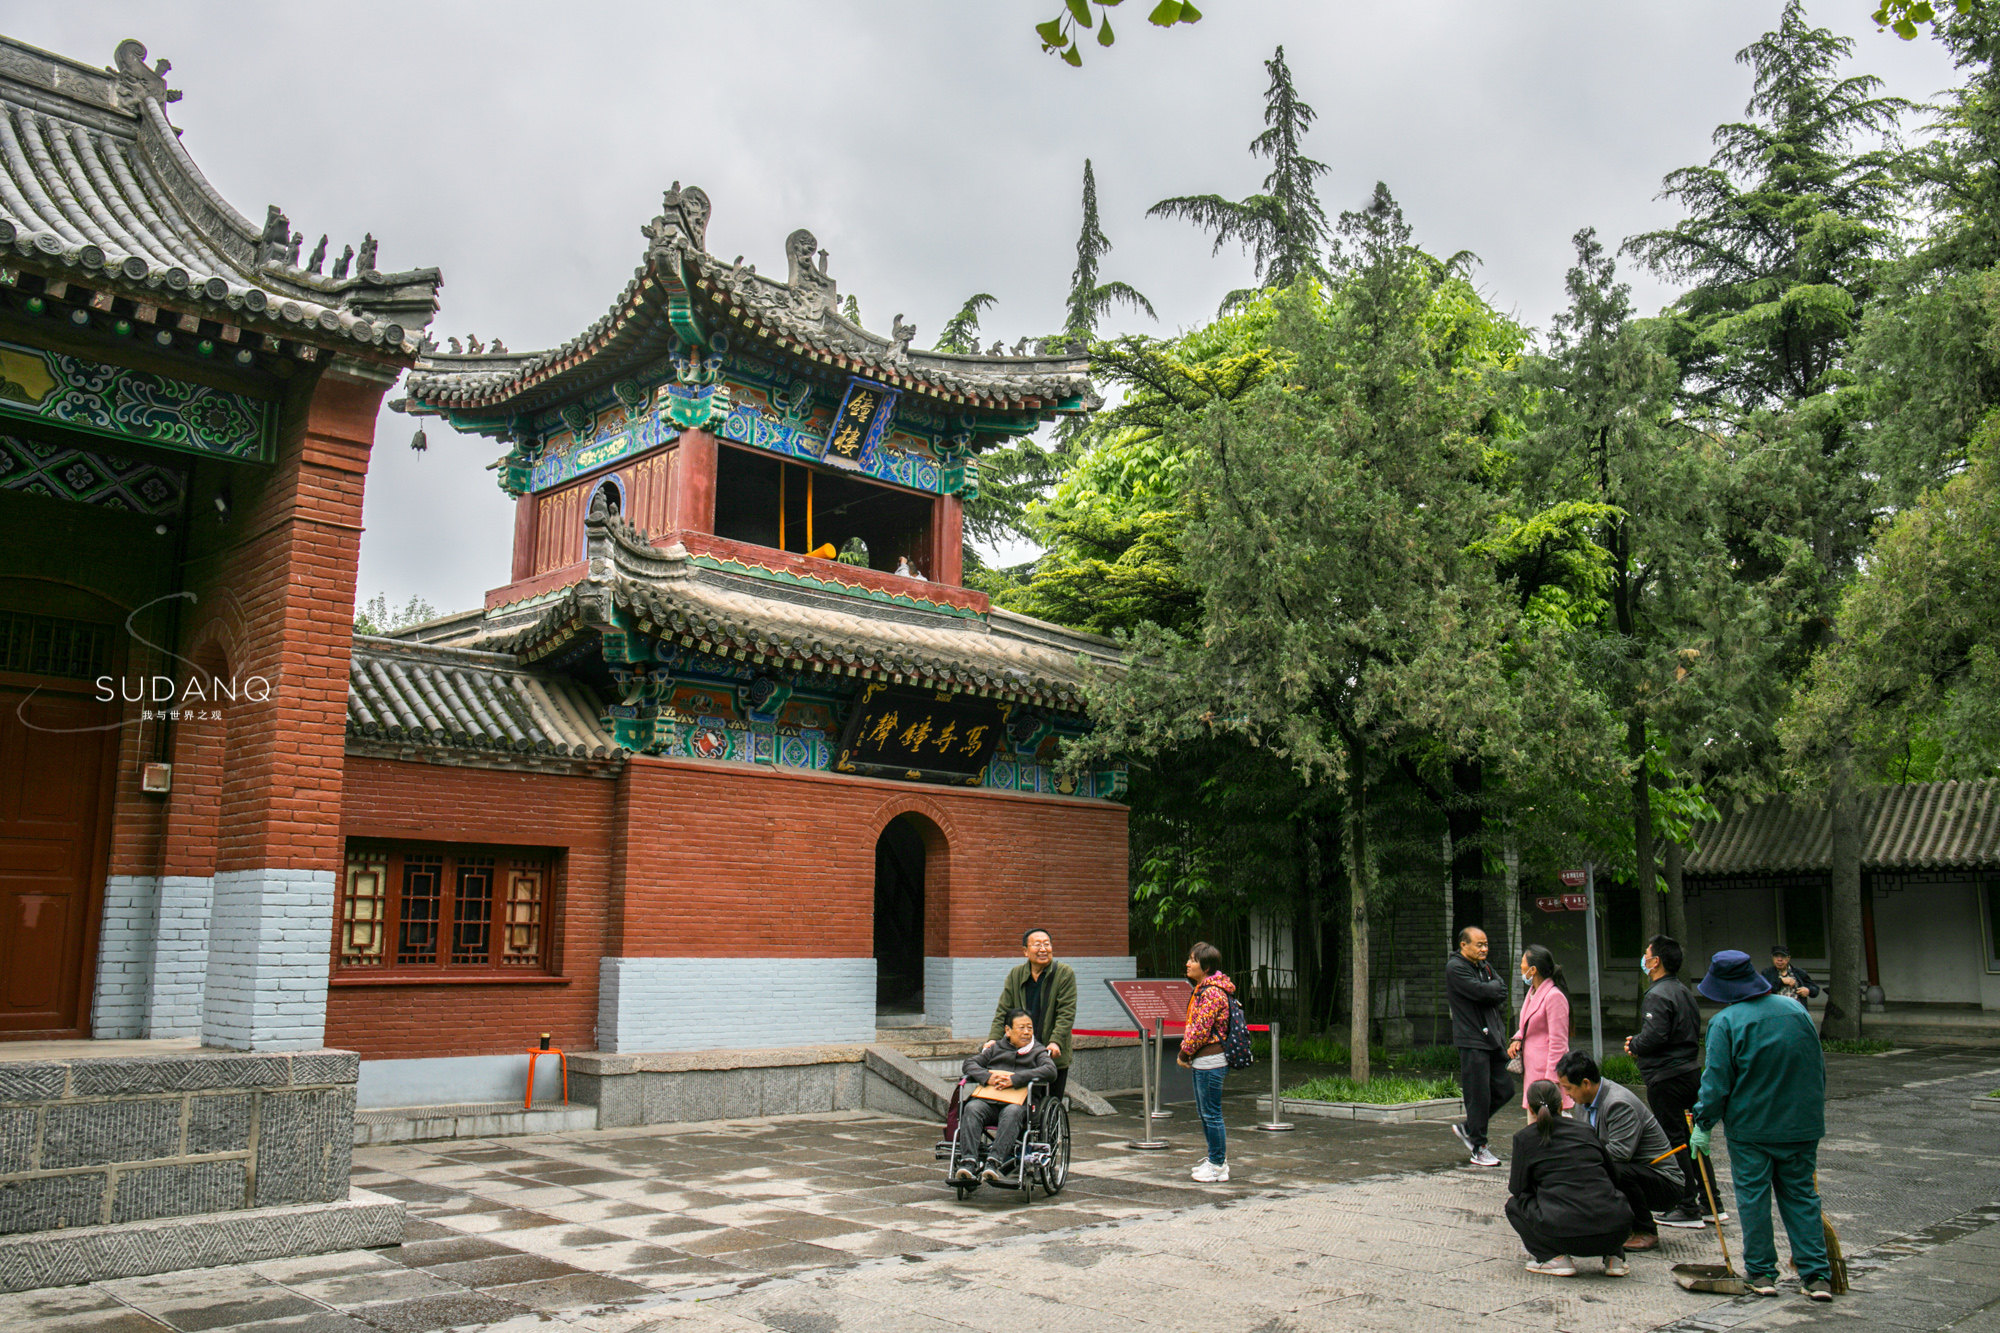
pixel 1236 1040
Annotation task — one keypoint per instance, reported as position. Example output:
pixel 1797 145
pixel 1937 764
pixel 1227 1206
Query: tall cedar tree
pixel 1089 299
pixel 1284 228
pixel 1667 623
pixel 1929 355
pixel 1346 620
pixel 1786 244
pixel 1787 225
pixel 961 332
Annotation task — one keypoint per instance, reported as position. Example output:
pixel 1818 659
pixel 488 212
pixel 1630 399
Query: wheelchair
pixel 1042 1158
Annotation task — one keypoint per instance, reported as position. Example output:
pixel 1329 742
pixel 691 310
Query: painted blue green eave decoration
pixel 60 472
pixel 125 404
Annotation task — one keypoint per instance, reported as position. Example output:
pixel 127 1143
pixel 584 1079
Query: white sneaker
pixel 1615 1266
pixel 1560 1266
pixel 1484 1157
pixel 1208 1173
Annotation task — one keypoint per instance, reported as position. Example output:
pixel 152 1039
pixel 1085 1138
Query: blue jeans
pixel 1759 1170
pixel 1208 1102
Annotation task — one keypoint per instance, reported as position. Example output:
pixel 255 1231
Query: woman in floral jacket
pixel 1201 1051
pixel 1542 1036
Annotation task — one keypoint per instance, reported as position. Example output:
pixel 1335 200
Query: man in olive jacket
pixel 1047 990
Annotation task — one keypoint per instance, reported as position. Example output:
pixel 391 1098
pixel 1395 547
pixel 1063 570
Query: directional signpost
pixel 1156 1006
pixel 1587 878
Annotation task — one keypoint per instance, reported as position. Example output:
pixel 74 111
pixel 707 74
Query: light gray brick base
pixel 700 1004
pixel 269 936
pixel 180 957
pixel 124 956
pixel 960 993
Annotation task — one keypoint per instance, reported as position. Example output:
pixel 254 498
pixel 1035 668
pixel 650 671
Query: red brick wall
pixel 683 859
pixel 721 861
pixel 434 803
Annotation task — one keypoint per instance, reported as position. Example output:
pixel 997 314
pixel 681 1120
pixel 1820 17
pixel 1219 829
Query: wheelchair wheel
pixel 1055 1172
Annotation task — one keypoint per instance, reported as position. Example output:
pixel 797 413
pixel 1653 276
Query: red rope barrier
pixel 1107 1032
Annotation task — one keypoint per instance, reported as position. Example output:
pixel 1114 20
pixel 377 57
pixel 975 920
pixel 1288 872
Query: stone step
pixel 467 1120
pixel 907 1034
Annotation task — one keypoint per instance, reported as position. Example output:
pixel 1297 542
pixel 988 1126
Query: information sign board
pixel 1149 998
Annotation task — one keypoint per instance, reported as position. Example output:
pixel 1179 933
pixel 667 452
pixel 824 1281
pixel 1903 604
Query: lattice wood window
pixel 422 909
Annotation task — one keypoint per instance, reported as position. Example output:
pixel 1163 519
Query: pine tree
pixel 961 332
pixel 1284 228
pixel 1788 225
pixel 850 310
pixel 1089 299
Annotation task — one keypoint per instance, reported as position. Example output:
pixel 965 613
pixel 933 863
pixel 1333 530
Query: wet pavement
pixel 812 1224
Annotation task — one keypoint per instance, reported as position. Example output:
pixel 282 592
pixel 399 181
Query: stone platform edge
pixel 75 1255
pixel 1390 1113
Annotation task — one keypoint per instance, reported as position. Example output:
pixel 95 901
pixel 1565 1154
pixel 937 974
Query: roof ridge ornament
pixel 136 83
pixel 683 220
pixel 812 294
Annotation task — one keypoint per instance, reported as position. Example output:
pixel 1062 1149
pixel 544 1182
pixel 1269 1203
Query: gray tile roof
pixel 459 699
pixel 1915 826
pixel 95 188
pixel 795 322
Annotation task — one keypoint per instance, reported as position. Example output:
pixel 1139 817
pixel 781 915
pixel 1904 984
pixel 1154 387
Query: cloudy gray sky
pixel 932 147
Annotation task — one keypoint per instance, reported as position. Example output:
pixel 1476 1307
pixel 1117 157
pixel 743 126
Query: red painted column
pixel 525 510
pixel 948 541
pixel 692 492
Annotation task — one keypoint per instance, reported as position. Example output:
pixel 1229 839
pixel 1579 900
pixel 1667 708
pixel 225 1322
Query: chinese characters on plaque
pixel 921 735
pixel 863 416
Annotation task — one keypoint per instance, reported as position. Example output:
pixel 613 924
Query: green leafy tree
pixel 1345 620
pixel 376 617
pixel 850 310
pixel 1059 34
pixel 1903 16
pixel 1284 228
pixel 961 332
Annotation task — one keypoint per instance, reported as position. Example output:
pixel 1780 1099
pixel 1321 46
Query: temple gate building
pixel 734 760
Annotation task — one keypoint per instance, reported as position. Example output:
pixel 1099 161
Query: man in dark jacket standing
pixel 1047 990
pixel 1476 993
pixel 1668 1051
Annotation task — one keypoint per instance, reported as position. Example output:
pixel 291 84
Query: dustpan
pixel 1718 1279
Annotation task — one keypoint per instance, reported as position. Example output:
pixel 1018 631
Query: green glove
pixel 1698 1140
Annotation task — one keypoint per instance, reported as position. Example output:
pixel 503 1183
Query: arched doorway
pixel 899 917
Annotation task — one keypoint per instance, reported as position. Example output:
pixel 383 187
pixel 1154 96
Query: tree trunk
pixel 1844 942
pixel 1512 917
pixel 1360 880
pixel 1642 832
pixel 1674 857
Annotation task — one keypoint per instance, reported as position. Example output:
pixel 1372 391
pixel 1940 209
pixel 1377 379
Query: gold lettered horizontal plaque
pixel 921 735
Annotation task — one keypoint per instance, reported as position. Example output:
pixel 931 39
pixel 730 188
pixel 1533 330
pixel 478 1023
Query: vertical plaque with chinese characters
pixel 864 414
pixel 921 735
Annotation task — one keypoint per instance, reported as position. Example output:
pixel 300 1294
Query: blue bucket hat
pixel 1732 977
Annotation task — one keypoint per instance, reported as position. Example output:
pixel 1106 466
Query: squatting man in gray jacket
pixel 1015 1062
pixel 1644 1163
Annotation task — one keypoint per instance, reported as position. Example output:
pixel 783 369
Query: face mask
pixel 1644 971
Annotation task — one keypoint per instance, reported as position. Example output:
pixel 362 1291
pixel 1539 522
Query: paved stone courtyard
pixel 813 1224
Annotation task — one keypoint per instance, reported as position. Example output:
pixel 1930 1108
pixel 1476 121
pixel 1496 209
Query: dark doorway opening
pixel 899 918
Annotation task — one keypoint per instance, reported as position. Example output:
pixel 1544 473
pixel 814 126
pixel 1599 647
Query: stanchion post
pixel 1147 1092
pixel 1160 1070
pixel 1274 1125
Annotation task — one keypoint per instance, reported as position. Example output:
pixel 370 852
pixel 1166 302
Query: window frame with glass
pixel 445 911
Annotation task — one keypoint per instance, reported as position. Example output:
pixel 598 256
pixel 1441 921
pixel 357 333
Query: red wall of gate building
pixel 679 858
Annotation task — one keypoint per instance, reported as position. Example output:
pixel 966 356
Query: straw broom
pixel 1834 1257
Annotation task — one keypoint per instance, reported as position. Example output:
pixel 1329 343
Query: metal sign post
pixel 1274 1125
pixel 1160 1069
pixel 1147 1087
pixel 1596 982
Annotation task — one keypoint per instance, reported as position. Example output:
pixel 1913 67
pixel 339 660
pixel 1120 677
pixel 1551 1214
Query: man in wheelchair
pixel 1002 1074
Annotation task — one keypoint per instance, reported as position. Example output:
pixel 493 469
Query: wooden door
pixel 54 759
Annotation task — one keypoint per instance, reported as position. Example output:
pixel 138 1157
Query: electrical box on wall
pixel 157 779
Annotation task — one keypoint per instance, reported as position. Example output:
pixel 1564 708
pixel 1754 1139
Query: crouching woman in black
pixel 1563 1201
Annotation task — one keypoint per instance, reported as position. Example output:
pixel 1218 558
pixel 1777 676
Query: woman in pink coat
pixel 1542 1037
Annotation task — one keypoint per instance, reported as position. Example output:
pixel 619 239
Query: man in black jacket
pixel 1668 1051
pixel 1476 993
